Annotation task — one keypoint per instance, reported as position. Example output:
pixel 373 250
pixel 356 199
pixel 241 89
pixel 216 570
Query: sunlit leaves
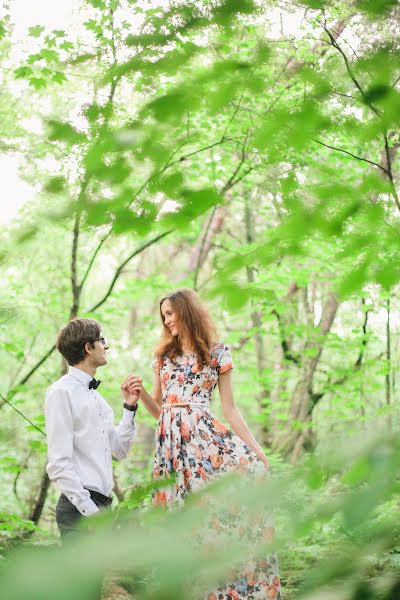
pixel 3 29
pixel 169 107
pixel 36 31
pixel 316 4
pixel 100 4
pixel 23 72
pixel 65 132
pixel 55 185
pixel 387 273
pixel 169 184
pixel 230 8
pixel 59 77
pixel 193 204
pixel 376 7
pixel 354 280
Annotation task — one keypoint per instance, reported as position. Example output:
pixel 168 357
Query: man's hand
pixel 131 388
pixel 91 524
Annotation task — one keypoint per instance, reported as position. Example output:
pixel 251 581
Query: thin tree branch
pixel 124 263
pixel 94 255
pixel 349 70
pixel 287 353
pixel 390 172
pixel 186 156
pixel 371 162
pixel 201 249
pixel 75 288
pixel 5 401
pixel 36 366
pixel 315 397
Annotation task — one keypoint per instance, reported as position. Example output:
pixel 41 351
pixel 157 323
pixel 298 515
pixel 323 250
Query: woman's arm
pixel 235 419
pixel 153 402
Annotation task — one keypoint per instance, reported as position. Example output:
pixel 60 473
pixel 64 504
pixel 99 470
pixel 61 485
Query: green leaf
pixel 315 478
pixel 35 58
pixel 354 281
pixel 66 46
pixel 81 59
pixel 35 31
pixel 388 274
pixel 376 8
pixel 223 96
pixel 196 202
pixel 127 220
pixel 315 3
pixel 231 8
pixel 376 92
pixel 55 185
pixel 23 72
pixel 169 184
pixel 169 107
pixel 358 473
pixel 59 77
pixel 98 213
pixel 116 172
pixel 101 4
pixel 64 132
pixel 13 349
pixel 36 444
pixel 3 30
pixel 37 82
pixel 50 55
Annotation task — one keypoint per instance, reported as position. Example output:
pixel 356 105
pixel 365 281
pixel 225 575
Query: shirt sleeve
pixel 121 436
pixel 155 363
pixel 225 362
pixel 60 467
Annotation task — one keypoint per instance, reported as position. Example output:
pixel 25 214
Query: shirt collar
pixel 85 378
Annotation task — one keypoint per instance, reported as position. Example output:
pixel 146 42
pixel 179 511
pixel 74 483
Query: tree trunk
pixel 264 396
pixel 297 432
pixel 388 378
pixel 39 502
pixel 212 227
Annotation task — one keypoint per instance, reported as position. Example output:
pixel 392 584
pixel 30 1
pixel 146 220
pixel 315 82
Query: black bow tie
pixel 94 384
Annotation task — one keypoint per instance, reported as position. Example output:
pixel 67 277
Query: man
pixel 81 435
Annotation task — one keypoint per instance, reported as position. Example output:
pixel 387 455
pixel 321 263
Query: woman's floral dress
pixel 197 447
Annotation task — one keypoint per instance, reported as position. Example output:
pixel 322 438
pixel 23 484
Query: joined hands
pixel 131 388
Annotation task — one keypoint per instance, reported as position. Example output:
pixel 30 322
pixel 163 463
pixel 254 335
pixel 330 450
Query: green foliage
pixel 280 157
pixel 353 512
pixel 376 8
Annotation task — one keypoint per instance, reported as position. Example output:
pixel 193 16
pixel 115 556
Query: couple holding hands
pixel 188 364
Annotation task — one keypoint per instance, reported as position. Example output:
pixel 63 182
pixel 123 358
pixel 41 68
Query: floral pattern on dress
pixel 194 445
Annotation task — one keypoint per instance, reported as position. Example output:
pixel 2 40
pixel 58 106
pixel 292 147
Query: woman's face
pixel 170 317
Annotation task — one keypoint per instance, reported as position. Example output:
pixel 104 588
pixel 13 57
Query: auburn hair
pixel 195 324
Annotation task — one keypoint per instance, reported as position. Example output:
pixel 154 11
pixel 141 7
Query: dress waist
pixel 183 404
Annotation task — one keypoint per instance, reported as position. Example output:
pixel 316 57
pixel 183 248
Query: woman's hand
pixel 131 389
pixel 264 459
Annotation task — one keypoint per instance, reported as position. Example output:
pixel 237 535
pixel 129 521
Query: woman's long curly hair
pixel 195 324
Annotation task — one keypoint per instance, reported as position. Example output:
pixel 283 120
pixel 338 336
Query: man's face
pixel 98 352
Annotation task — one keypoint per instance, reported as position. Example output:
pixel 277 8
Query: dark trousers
pixel 68 516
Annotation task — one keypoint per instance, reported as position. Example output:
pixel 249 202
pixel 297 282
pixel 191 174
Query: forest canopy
pixel 247 149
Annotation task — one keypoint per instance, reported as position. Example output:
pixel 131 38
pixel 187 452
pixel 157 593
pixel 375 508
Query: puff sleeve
pixel 225 362
pixel 155 364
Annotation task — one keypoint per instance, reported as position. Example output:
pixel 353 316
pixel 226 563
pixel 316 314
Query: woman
pixel 191 442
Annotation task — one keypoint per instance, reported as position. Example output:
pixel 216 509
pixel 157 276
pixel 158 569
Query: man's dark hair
pixel 74 335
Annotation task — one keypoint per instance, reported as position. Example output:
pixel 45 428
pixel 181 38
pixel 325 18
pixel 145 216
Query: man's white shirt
pixel 82 439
